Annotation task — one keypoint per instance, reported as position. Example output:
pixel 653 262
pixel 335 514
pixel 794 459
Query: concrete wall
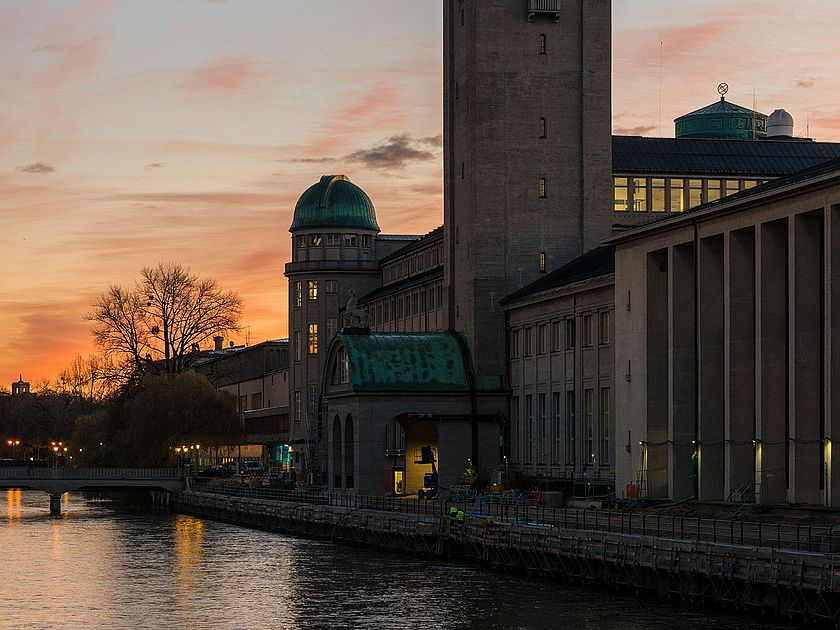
pixel 766 351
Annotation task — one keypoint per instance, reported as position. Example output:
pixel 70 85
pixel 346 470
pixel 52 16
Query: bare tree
pixel 92 378
pixel 157 325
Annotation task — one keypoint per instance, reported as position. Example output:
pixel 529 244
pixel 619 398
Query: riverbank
pixel 800 585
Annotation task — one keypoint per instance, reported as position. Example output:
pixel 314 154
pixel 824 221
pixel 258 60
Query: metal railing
pixel 35 472
pixel 787 535
pixel 544 6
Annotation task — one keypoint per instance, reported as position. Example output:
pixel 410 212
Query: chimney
pixel 217 342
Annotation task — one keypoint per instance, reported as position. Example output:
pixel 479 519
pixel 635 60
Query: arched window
pixel 542 127
pixel 338 464
pixel 542 44
pixel 349 451
pixel 542 187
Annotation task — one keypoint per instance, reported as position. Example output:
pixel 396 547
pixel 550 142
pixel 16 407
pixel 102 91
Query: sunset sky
pixel 139 131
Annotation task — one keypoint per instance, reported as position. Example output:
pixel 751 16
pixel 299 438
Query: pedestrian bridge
pixel 57 481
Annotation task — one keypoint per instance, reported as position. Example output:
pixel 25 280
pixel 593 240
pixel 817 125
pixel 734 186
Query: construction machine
pixel 426 455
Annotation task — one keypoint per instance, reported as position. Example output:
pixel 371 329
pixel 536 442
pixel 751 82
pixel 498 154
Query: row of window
pixel 532 438
pixel 562 335
pixel 312 338
pixel 672 194
pixel 410 303
pixel 333 239
pixel 330 288
pixel 410 265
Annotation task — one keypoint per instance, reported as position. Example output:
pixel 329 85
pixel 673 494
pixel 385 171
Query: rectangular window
pixel 542 262
pixel 541 339
pixel 587 419
pixel 514 344
pixel 331 287
pixel 640 194
pixel 556 336
pixel 556 428
pixel 515 429
pixel 315 240
pixel 332 326
pixel 301 240
pixel 542 442
pixel 528 346
pixel 297 345
pixel 529 428
pixel 243 404
pixel 256 400
pixel 621 196
pixel 604 327
pixel 333 240
pixel 677 200
pixel 313 339
pixel 587 331
pixel 657 194
pixel 542 187
pixel 298 294
pixel 695 192
pixel 732 186
pixel 750 183
pixel 312 290
pixel 570 333
pixel 604 450
pixel 713 190
pixel 366 241
pixel 571 449
pixel 313 398
pixel 298 409
pixel 350 240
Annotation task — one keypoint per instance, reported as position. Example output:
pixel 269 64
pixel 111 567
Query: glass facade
pixel 672 194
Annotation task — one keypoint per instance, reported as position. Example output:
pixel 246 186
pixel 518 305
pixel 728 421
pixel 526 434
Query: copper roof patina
pixel 405 361
pixel 334 202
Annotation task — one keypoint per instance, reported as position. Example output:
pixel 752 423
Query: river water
pixel 104 565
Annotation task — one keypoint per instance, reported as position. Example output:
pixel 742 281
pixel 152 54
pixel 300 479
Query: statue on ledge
pixel 354 316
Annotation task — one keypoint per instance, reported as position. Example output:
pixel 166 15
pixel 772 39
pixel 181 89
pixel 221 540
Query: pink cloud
pixel 221 76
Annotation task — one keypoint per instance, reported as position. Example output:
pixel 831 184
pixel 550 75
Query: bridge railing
pixel 34 472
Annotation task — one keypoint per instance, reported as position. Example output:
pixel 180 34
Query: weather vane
pixel 723 88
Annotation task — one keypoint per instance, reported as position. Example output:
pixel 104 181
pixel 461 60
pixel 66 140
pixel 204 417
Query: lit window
pixel 314 240
pixel 657 194
pixel 713 190
pixel 333 240
pixel 587 330
pixel 750 183
pixel 298 294
pixel 640 194
pixel 313 339
pixel 350 240
pixel 542 44
pixel 604 327
pixel 331 287
pixel 542 127
pixel 312 290
pixel 621 196
pixel 542 187
pixel 677 201
pixel 695 192
pixel 732 186
pixel 542 262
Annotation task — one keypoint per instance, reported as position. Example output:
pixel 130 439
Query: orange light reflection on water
pixel 189 554
pixel 13 499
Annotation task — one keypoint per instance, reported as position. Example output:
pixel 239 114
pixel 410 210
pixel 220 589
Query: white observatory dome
pixel 780 123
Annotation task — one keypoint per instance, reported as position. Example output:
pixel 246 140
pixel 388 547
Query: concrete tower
pixel 333 252
pixel 527 156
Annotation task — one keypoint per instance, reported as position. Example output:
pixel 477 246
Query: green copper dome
pixel 334 202
pixel 722 121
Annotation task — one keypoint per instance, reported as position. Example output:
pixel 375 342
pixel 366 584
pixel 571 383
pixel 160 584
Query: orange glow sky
pixel 142 131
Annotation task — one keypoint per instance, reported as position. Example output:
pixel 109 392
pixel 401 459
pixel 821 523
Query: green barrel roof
pixel 334 202
pixel 405 361
pixel 722 121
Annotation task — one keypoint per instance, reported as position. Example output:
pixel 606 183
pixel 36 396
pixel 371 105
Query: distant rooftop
pixel 418 243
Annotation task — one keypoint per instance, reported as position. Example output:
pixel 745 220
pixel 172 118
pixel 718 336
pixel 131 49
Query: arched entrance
pixel 407 460
pixel 349 452
pixel 337 452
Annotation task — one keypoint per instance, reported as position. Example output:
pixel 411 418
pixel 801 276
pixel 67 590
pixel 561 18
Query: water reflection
pixel 104 566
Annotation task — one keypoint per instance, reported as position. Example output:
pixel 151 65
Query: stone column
pixel 681 371
pixel 740 359
pixel 657 375
pixel 711 460
pixel 805 323
pixel 771 361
